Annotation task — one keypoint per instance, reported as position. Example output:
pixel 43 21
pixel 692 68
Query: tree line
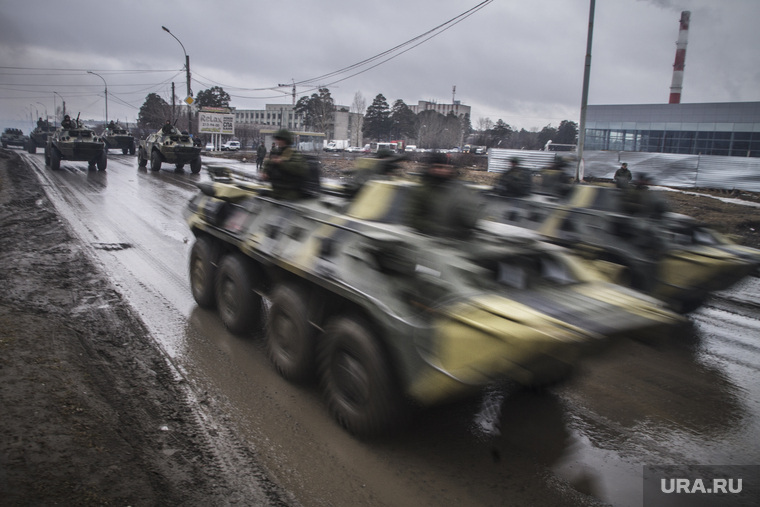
pixel 381 122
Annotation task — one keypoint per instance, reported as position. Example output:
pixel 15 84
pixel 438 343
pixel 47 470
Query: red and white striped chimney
pixel 677 84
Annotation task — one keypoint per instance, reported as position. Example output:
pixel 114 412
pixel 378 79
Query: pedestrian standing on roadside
pixel 261 153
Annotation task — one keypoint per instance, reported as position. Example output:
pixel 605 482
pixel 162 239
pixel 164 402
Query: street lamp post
pixel 55 110
pixel 106 85
pixel 187 75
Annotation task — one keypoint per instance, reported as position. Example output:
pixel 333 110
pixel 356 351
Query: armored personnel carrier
pixel 117 137
pixel 384 315
pixel 171 148
pixel 75 142
pixel 630 234
pixel 39 136
pixel 13 137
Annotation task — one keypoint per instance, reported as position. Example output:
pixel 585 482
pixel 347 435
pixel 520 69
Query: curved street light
pixel 187 75
pixel 106 85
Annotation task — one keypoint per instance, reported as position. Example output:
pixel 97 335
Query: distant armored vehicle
pixel 14 137
pixel 39 136
pixel 75 142
pixel 385 315
pixel 171 148
pixel 630 233
pixel 118 138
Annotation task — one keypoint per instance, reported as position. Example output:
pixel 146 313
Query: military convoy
pixel 172 147
pixel 630 234
pixel 117 137
pixel 75 142
pixel 13 137
pixel 388 318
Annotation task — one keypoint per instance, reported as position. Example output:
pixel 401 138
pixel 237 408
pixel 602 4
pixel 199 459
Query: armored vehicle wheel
pixel 55 159
pixel 179 167
pixel 32 147
pixel 132 149
pixel 195 166
pixel 358 383
pixel 239 307
pixel 155 161
pixel 203 272
pixel 142 160
pixel 124 151
pixel 47 156
pixel 102 161
pixel 289 338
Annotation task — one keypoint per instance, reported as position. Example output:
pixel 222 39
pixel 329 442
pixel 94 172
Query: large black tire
pixel 55 159
pixel 239 306
pixel 132 149
pixel 47 156
pixel 124 151
pixel 32 146
pixel 142 159
pixel 203 272
pixel 290 337
pixel 195 165
pixel 179 166
pixel 102 161
pixel 155 161
pixel 359 385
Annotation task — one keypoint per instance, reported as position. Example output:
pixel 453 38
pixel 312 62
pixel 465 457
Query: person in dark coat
pixel 261 153
pixel 285 168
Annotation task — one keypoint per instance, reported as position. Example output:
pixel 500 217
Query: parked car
pixel 354 149
pixel 209 147
pixel 231 146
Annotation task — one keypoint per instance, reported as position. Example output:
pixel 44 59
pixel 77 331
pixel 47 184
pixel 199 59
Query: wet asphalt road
pixel 689 398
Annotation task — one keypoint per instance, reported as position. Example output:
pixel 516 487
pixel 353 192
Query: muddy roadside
pixel 92 413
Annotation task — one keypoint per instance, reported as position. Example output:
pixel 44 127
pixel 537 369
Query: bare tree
pixel 359 105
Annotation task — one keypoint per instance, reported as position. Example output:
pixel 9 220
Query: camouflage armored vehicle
pixel 14 137
pixel 39 136
pixel 630 234
pixel 75 142
pixel 171 148
pixel 117 137
pixel 385 315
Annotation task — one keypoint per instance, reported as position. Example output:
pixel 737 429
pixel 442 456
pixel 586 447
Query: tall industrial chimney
pixel 677 84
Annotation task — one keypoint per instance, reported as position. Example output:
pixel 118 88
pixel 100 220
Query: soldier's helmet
pixel 284 135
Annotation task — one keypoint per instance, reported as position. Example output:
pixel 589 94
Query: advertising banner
pixel 216 123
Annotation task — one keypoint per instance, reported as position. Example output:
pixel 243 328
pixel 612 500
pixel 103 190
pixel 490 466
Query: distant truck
pixel 337 145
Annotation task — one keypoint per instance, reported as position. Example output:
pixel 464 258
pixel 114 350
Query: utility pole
pixel 294 90
pixel 173 113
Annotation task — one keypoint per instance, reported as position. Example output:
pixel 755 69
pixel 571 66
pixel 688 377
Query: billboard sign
pixel 216 123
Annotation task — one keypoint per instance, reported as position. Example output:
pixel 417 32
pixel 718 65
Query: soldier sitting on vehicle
pixel 167 128
pixel 555 180
pixel 67 122
pixel 515 182
pixel 285 168
pixel 366 169
pixel 442 205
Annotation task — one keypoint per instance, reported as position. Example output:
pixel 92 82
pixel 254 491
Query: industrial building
pixel 729 129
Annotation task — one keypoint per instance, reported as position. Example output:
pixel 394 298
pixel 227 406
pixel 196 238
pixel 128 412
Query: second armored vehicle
pixel 14 137
pixel 75 142
pixel 117 137
pixel 631 234
pixel 171 148
pixel 39 136
pixel 384 315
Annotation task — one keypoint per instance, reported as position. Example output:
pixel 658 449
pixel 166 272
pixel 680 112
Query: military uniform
pixel 623 176
pixel 287 172
pixel 443 207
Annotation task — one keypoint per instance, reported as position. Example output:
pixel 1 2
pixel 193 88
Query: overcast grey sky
pixel 516 60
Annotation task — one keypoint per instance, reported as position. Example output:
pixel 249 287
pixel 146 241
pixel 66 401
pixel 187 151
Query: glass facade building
pixel 725 129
